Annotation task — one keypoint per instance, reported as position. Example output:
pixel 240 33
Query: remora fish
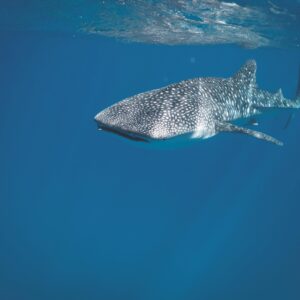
pixel 194 109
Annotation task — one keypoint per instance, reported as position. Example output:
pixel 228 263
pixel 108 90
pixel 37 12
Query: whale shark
pixel 197 108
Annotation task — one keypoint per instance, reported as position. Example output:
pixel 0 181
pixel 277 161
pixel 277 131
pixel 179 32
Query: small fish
pixel 197 108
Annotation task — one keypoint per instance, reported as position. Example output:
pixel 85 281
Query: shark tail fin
pixel 297 102
pixel 298 91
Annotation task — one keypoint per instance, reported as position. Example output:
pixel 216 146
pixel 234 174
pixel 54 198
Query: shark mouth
pixel 126 134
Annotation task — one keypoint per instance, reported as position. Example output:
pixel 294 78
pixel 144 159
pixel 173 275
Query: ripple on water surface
pixel 247 23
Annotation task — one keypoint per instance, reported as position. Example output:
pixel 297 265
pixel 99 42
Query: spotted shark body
pixel 194 109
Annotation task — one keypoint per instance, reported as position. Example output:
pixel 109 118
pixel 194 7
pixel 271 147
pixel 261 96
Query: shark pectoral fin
pixel 228 127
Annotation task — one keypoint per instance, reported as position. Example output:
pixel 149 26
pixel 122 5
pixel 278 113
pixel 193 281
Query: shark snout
pixel 117 120
pixel 98 119
pixel 107 118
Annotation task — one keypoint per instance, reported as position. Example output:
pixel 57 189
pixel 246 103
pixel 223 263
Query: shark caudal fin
pixel 298 90
pixel 297 102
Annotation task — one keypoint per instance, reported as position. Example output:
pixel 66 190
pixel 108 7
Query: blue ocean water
pixel 89 215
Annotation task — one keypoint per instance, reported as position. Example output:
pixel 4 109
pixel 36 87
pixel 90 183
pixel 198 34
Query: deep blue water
pixel 89 215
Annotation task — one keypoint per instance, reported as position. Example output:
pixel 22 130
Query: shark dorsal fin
pixel 279 95
pixel 246 76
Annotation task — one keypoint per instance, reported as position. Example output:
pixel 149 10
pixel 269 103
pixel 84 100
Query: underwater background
pixel 88 215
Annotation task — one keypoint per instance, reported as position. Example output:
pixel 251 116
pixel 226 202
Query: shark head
pixel 124 119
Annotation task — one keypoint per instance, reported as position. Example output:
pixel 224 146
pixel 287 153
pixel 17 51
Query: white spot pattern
pixel 194 107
